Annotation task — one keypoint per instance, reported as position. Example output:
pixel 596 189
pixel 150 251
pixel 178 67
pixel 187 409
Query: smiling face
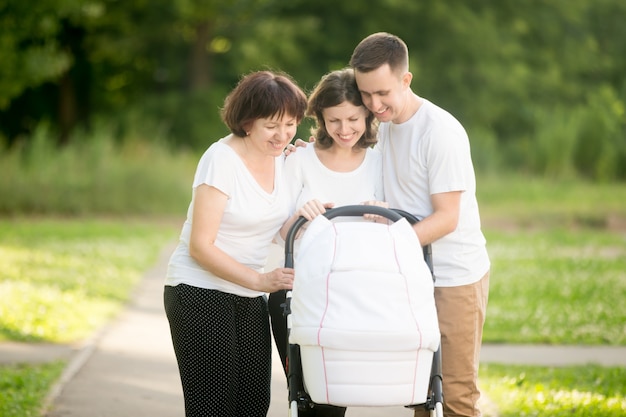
pixel 345 123
pixel 386 93
pixel 271 135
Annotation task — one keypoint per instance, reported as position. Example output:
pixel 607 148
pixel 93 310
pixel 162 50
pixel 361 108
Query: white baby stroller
pixel 361 317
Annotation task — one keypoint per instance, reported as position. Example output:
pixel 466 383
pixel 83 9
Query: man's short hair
pixel 379 49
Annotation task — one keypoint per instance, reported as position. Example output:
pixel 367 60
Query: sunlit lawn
pixel 579 391
pixel 62 279
pixel 557 287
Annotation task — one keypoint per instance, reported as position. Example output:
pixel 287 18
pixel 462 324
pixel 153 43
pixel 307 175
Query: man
pixel 428 171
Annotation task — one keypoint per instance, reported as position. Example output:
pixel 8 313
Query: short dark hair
pixel 379 49
pixel 333 89
pixel 262 94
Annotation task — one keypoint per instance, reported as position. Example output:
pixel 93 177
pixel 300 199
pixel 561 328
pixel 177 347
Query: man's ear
pixel 406 79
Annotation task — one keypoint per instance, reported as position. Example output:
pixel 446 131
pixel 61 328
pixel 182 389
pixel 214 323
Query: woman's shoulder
pixel 220 156
pixel 374 153
pixel 219 148
pixel 373 162
pixel 302 153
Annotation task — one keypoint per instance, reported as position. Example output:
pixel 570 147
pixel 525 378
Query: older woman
pixel 215 287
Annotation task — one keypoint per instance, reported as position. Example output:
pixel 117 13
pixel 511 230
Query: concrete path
pixel 129 369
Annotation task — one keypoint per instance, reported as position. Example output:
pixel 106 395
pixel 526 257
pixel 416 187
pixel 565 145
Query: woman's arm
pixel 209 205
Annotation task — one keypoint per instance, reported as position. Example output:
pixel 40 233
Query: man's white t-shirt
pixel 250 221
pixel 430 154
pixel 308 178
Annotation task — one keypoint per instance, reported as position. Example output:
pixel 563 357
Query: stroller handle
pixel 349 210
pixel 360 210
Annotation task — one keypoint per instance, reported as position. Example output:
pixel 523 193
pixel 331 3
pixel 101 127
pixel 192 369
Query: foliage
pixel 191 122
pixel 95 175
pixel 29 45
pixel 24 387
pixel 539 85
pixel 585 391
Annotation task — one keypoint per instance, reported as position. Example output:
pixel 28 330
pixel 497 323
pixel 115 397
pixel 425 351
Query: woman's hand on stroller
pixel 278 279
pixel 309 211
pixel 313 208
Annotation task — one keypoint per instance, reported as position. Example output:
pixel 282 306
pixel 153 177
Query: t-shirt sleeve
pixel 217 169
pixel 377 174
pixel 449 157
pixel 293 177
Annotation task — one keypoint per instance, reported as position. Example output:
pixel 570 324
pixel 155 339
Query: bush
pixel 95 175
pixel 587 140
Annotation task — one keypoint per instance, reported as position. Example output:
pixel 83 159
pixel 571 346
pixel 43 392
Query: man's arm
pixel 443 220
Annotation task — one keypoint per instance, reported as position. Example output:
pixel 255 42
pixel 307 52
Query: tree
pixel 513 72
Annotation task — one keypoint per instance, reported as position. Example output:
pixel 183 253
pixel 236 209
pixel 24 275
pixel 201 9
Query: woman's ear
pixel 246 128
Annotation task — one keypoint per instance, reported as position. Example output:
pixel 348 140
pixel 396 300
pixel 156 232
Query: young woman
pixel 340 168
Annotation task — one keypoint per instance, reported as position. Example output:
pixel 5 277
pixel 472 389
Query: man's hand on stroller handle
pixel 375 217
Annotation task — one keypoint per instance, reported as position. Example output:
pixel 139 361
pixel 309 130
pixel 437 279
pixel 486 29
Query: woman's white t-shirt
pixel 308 178
pixel 251 220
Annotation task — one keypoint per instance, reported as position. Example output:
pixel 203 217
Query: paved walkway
pixel 129 369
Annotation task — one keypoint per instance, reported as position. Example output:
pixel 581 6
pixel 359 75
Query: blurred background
pixel 540 86
pixel 106 106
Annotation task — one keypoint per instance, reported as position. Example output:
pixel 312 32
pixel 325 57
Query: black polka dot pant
pixel 223 348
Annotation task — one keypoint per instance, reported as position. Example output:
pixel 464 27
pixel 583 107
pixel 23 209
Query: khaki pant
pixel 461 311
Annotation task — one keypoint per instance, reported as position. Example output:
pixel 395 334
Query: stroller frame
pixel 299 399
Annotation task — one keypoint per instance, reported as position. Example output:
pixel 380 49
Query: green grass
pixel 579 391
pixel 531 202
pixel 557 287
pixel 558 251
pixel 23 388
pixel 62 279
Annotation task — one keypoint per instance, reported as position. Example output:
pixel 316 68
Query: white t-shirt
pixel 309 178
pixel 430 154
pixel 251 219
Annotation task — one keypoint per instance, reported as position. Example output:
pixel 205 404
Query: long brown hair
pixel 333 89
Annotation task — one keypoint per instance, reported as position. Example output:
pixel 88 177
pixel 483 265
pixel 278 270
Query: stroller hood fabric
pixel 363 286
